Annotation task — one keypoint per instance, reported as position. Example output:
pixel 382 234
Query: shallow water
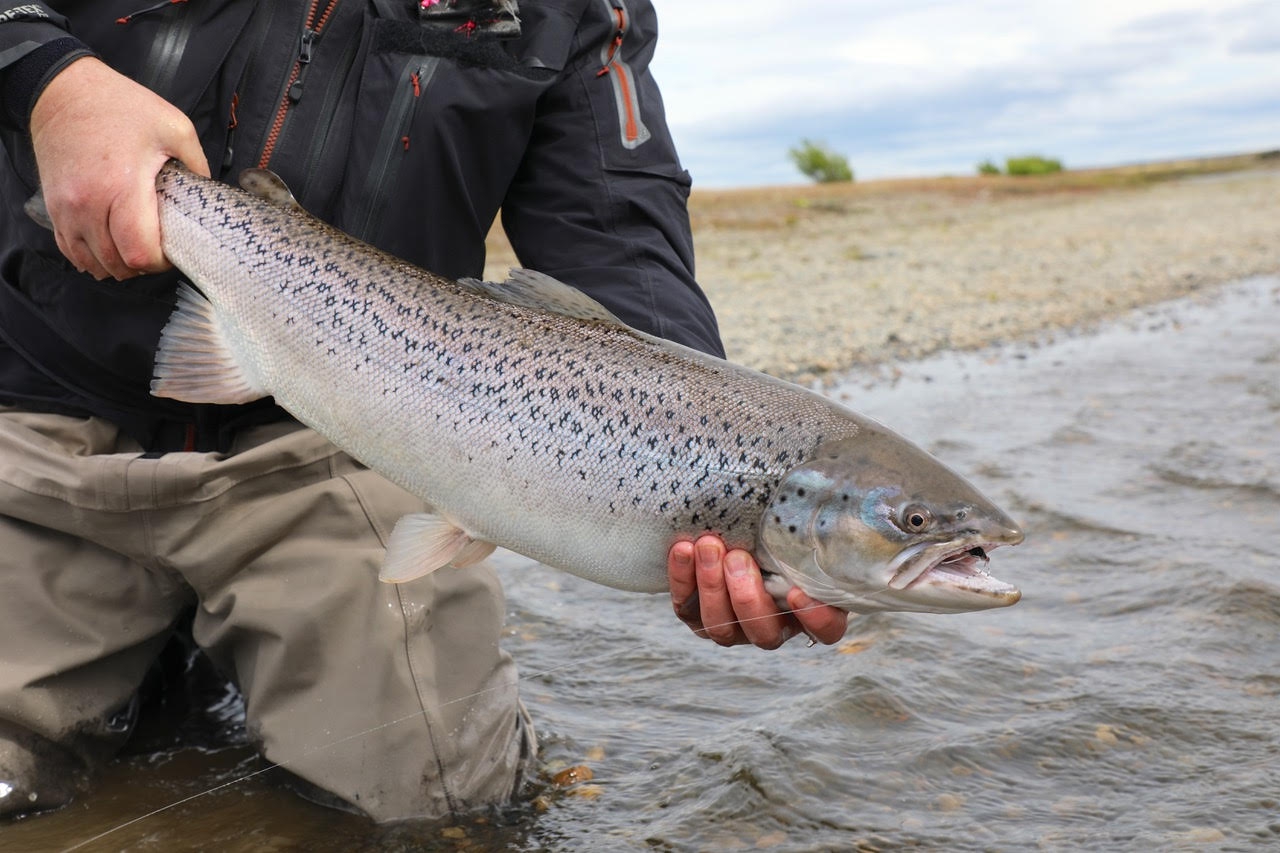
pixel 1131 701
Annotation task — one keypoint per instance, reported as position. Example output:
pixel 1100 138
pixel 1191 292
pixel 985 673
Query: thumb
pixel 185 147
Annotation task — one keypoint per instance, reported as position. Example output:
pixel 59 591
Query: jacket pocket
pixel 625 100
pixel 632 132
pixel 399 83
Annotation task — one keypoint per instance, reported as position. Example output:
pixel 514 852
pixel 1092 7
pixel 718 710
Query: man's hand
pixel 100 138
pixel 720 595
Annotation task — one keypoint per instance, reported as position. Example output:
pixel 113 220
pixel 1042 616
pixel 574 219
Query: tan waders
pixel 395 698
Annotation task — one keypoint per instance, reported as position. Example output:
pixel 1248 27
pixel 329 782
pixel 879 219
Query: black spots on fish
pixel 799 493
pixel 791 528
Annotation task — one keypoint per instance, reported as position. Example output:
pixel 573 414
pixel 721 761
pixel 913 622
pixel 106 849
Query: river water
pixel 1130 701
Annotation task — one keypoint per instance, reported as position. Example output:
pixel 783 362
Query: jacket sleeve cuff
pixel 22 83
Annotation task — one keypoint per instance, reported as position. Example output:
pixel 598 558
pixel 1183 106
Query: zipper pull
pixel 305 46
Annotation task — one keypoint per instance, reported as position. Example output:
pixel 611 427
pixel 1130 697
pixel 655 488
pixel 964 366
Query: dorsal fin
pixel 536 290
pixel 267 185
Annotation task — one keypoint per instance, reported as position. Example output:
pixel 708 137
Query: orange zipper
pixel 630 127
pixel 293 89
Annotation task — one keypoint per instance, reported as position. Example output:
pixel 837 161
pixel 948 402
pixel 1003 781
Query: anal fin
pixel 193 361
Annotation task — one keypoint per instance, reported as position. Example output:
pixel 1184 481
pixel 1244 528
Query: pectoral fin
pixel 422 543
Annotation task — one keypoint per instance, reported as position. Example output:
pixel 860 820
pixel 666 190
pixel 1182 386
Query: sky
pixel 924 87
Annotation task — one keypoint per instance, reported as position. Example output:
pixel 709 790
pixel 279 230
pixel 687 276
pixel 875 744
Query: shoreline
pixel 812 282
pixel 1143 323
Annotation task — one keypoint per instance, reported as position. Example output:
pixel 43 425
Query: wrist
pixel 25 81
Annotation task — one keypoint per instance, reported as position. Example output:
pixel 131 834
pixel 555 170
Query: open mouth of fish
pixel 958 566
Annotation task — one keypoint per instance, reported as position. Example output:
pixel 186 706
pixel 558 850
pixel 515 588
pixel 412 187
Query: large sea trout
pixel 530 417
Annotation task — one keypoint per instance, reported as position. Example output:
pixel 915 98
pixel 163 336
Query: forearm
pixel 600 198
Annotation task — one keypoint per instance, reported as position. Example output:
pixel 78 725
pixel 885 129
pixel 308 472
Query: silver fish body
pixel 529 418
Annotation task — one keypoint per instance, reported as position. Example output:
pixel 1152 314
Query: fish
pixel 526 415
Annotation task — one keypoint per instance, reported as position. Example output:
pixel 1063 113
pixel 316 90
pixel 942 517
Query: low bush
pixel 819 163
pixel 1032 164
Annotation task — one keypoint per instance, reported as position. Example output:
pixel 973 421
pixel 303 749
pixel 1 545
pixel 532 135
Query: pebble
pixel 573 775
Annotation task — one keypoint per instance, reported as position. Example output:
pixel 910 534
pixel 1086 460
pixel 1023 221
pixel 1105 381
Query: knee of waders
pixel 38 775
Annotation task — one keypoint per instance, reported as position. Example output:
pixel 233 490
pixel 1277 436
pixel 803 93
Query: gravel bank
pixel 808 283
pixel 902 276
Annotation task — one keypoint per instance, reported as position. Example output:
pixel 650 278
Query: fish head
pixel 872 522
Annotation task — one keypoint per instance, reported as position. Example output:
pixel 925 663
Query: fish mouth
pixel 953 566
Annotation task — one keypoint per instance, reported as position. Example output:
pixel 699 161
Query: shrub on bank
pixel 819 163
pixel 1032 164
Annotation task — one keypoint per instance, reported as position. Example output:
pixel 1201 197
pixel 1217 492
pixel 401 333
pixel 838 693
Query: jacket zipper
pixel 632 128
pixel 311 32
pixel 154 7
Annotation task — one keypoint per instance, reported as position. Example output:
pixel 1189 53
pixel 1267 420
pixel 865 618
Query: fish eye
pixel 915 518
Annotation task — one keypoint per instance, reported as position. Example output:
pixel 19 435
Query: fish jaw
pixel 951 577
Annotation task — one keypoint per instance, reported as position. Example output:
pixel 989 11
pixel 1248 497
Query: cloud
pixel 924 87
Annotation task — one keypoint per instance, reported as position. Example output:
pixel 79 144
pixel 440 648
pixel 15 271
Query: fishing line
pixel 523 677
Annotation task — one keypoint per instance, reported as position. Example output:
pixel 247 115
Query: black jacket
pixel 408 130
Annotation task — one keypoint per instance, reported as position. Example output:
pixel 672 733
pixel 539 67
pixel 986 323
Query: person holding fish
pixel 408 125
